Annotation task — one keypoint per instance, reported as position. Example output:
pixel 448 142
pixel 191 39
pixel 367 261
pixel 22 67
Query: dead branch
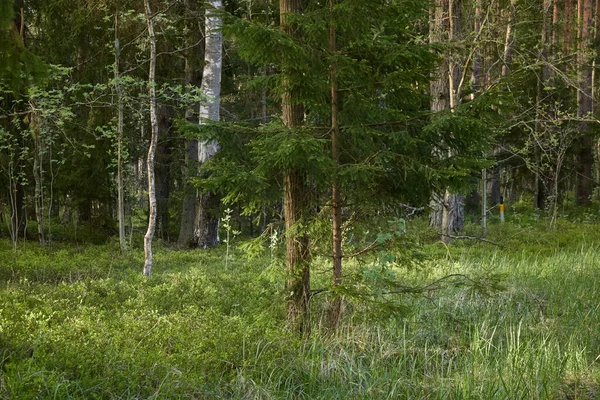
pixel 473 238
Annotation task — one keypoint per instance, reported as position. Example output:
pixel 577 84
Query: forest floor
pixel 519 320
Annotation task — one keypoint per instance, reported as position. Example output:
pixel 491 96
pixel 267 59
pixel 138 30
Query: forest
pixel 264 199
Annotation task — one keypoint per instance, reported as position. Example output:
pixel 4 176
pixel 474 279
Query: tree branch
pixel 473 238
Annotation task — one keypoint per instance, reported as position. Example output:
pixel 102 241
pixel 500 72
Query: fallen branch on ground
pixel 473 238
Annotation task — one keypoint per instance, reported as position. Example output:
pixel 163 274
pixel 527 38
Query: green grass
pixel 81 322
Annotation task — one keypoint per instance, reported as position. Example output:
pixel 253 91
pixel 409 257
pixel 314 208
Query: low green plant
pixel 81 322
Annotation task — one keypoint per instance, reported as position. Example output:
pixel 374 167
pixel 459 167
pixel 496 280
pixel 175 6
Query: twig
pixel 473 238
pixel 413 210
pixel 317 291
pixel 368 248
pixel 435 285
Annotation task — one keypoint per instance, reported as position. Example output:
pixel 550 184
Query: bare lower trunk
pixel 484 203
pixel 453 215
pixel 297 253
pixel 37 176
pixel 163 173
pixel 188 212
pixel 18 216
pixel 148 260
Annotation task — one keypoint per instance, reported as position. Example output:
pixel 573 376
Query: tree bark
pixel 445 26
pixel 336 198
pixel 148 260
pixel 120 179
pixel 163 172
pixel 37 173
pixel 294 198
pixel 439 90
pixel 206 229
pixel 585 155
pixel 568 27
pixel 193 76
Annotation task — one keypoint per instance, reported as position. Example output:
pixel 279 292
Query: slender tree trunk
pixel 336 198
pixel 163 172
pixel 508 41
pixel 585 155
pixel 542 183
pixel 37 173
pixel 206 230
pixel 294 199
pixel 153 142
pixel 15 211
pixel 120 180
pixel 476 75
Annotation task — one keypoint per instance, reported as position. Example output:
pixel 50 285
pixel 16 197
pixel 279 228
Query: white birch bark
pixel 206 226
pixel 152 149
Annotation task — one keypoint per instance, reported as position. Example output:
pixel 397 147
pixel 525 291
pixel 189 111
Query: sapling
pixel 226 221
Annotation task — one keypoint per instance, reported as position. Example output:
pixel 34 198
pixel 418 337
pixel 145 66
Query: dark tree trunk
pixel 297 253
pixel 163 172
pixel 445 25
pixel 19 212
pixel 585 155
pixel 294 200
pixel 336 197
pixel 439 26
pixel 206 231
pixel 193 76
pixel 188 212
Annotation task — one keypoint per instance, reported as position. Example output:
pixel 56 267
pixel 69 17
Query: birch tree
pixel 206 229
pixel 153 141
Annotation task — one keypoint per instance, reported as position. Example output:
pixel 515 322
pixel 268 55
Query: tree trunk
pixel 193 76
pixel 18 216
pixel 120 179
pixel 37 173
pixel 294 188
pixel 543 110
pixel 336 198
pixel 585 155
pixel 148 261
pixel 297 252
pixel 439 88
pixel 445 92
pixel 568 27
pixel 206 230
pixel 188 211
pixel 163 172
